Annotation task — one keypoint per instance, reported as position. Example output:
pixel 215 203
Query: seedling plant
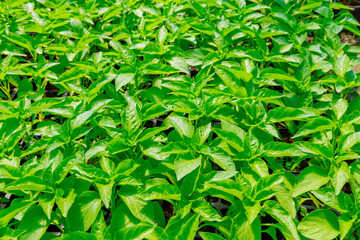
pixel 179 120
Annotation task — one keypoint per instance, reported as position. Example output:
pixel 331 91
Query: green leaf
pixel 320 224
pixel 164 192
pixel 7 214
pixel 230 80
pixel 182 125
pixel 161 35
pixel 340 176
pixel 180 64
pixel 277 74
pixel 339 107
pixel 30 183
pixel 71 74
pixel 140 231
pixel 183 229
pixel 342 65
pixel 64 203
pixel 313 126
pixel 105 191
pixel 345 223
pixel 100 228
pixel 207 212
pixel 83 211
pixel 138 207
pixel 314 149
pixel 34 223
pixel 210 236
pixel 126 54
pixel 243 229
pixel 201 134
pixel 328 197
pixel 311 178
pixel 264 187
pixel 348 141
pixel 160 69
pixel 48 128
pixel 122 79
pixel 79 236
pixel 21 40
pixel 185 164
pixel 280 149
pixel 220 157
pixel 277 212
pixel 231 138
pixel 282 114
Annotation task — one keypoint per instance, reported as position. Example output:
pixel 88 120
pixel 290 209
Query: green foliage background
pixel 198 119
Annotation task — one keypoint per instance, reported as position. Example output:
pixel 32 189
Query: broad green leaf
pixel 201 134
pixel 279 149
pixel 327 196
pixel 64 203
pixel 243 229
pixel 185 164
pixel 340 176
pixel 185 228
pixel 311 178
pixel 164 192
pixel 139 207
pixel 182 125
pixel 320 224
pixel 277 212
pixel 348 141
pixel 34 223
pixel 126 54
pixel 206 211
pixel 286 201
pixel 30 183
pixel 83 211
pixel 10 212
pixel 230 80
pixel 342 65
pixel 100 228
pixel 122 79
pixel 105 192
pixel 264 187
pixel 220 157
pixel 161 35
pixel 313 126
pixel 180 64
pixel 315 149
pixel 277 74
pixel 160 69
pixel 140 231
pixel 339 107
pixel 71 74
pixel 231 138
pixel 282 114
pixel 345 223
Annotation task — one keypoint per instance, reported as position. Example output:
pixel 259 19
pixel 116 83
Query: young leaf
pixel 185 164
pixel 182 125
pixel 84 211
pixel 313 126
pixel 311 178
pixel 342 65
pixel 320 224
pixel 34 223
